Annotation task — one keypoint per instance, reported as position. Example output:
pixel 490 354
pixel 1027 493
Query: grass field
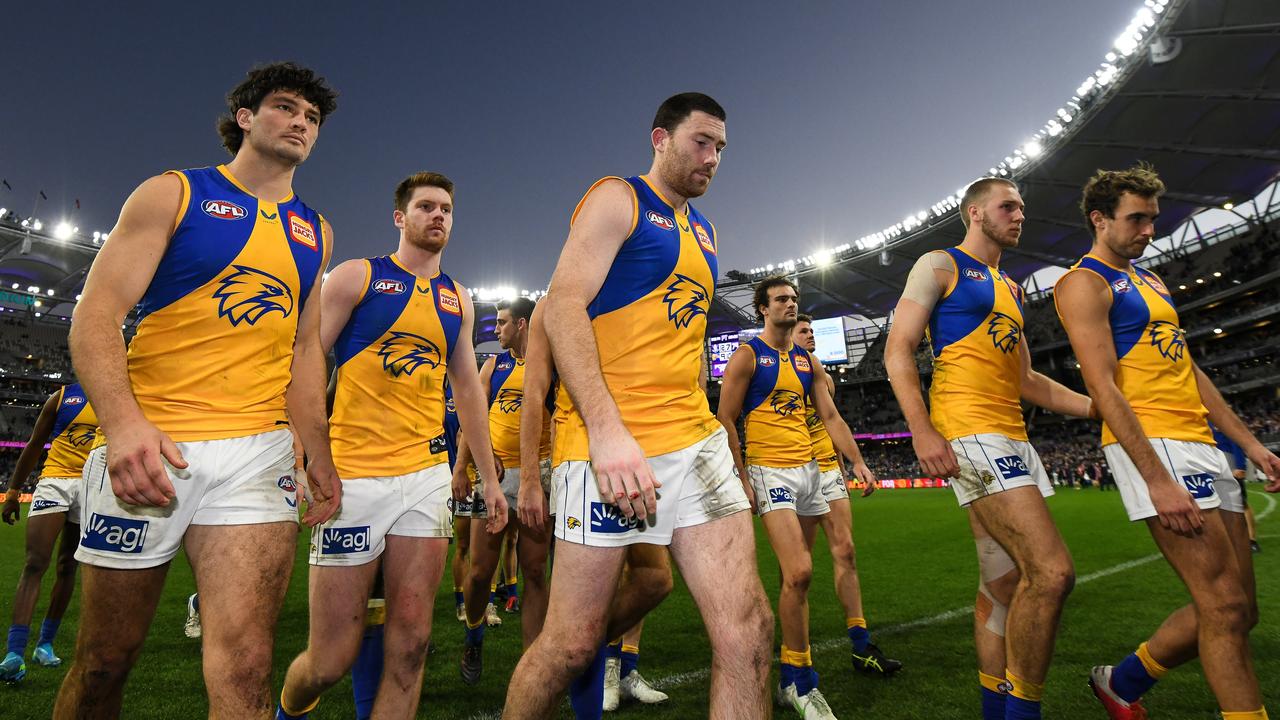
pixel 918 572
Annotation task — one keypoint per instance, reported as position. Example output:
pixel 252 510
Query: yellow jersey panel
pixel 506 398
pixel 774 410
pixel 74 427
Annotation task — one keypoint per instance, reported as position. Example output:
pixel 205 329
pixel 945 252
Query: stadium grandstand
pixel 1188 87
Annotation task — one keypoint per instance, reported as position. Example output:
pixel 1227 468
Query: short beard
pixel 989 229
pixel 423 240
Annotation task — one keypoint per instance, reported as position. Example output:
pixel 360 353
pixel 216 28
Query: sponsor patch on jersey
pixel 1011 467
pixel 974 274
pixel 608 520
pixel 660 220
pixel 437 445
pixel 1121 286
pixel 448 301
pixel 343 540
pixel 302 232
pixel 290 488
pixel 781 495
pixel 73 400
pixel 802 364
pixel 1156 285
pixel 704 239
pixel 767 361
pixel 114 534
pixel 223 210
pixel 44 504
pixel 1200 485
pixel 389 287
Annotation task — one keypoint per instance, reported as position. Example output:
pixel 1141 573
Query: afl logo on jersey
pixel 389 287
pixel 1121 286
pixel 802 364
pixel 704 239
pixel 73 400
pixel 448 301
pixel 506 365
pixel 223 210
pixel 973 274
pixel 302 232
pixel 767 361
pixel 660 220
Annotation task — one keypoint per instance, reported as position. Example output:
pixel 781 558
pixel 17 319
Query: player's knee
pixel 655 584
pixel 107 665
pixel 35 564
pixel 67 565
pixel 845 554
pixel 1227 613
pixel 798 579
pixel 1053 578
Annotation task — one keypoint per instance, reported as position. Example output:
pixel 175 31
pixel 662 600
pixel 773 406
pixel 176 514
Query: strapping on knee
pixel 990 611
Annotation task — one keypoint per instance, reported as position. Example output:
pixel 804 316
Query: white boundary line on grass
pixel 684 678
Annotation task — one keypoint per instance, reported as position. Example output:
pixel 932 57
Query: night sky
pixel 843 116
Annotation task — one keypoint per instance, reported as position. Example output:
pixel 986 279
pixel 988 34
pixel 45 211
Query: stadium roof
pixel 1197 95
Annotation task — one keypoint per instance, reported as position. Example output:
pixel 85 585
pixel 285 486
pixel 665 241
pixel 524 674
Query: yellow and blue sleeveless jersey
pixel 774 409
pixel 74 428
pixel 451 426
pixel 824 451
pixel 1154 369
pixel 650 321
pixel 506 397
pixel 214 344
pixel 975 330
pixel 389 405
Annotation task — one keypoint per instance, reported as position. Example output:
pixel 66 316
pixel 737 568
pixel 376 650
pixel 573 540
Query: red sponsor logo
pixel 448 301
pixel 302 232
pixel 223 210
pixel 390 287
pixel 1158 286
pixel 704 239
pixel 660 220
pixel 802 364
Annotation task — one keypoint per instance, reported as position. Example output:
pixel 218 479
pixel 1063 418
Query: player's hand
pixel 324 492
pixel 136 455
pixel 460 486
pixel 531 506
pixel 1269 464
pixel 937 459
pixel 623 475
pixel 496 502
pixel 1175 508
pixel 11 509
pixel 864 474
pixel 751 497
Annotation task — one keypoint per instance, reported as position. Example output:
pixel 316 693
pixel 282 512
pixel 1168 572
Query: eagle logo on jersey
pixel 509 400
pixel 785 402
pixel 1169 339
pixel 686 298
pixel 80 434
pixel 248 294
pixel 1004 331
pixel 402 353
pixel 811 418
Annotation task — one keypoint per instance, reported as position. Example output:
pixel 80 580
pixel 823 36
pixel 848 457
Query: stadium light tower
pixel 63 230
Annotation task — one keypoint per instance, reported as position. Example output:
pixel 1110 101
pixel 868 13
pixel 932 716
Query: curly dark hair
pixel 1103 191
pixel 761 297
pixel 263 80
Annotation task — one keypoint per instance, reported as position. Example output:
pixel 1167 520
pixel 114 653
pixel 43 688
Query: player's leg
pixel 997 581
pixel 485 548
pixel 510 567
pixel 116 609
pixel 837 525
pixel 461 558
pixel 64 584
pixel 717 561
pixel 583 581
pixel 533 548
pixel 412 567
pixel 633 685
pixel 1019 520
pixel 41 534
pixel 646 582
pixel 786 538
pixel 238 627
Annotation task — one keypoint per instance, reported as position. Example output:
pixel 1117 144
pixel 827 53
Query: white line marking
pixel 1271 506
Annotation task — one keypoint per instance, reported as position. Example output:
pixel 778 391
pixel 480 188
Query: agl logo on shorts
pixel 1011 467
pixel 609 519
pixel 339 541
pixel 114 534
pixel 223 210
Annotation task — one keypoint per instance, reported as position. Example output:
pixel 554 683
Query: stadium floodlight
pixel 1217 331
pixel 1199 281
pixel 15 286
pixel 50 292
pixel 38 225
pixel 38 303
pixel 1032 148
pixel 62 230
pixel 37 314
pixel 33 289
pixel 77 297
pixel 1228 206
pixel 4 211
pixel 26 222
pixel 1217 273
pixel 822 258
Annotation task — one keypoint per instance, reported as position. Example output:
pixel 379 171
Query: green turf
pixel 915 560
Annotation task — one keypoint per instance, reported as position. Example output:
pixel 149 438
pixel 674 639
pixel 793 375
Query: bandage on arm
pixel 925 285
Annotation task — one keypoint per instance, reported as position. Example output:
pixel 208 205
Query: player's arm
pixel 116 282
pixel 531 506
pixel 601 226
pixel 1050 394
pixel 1084 302
pixel 305 398
pixel 737 378
pixel 926 283
pixel 702 373
pixel 1226 420
pixel 30 456
pixel 841 436
pixel 462 483
pixel 469 397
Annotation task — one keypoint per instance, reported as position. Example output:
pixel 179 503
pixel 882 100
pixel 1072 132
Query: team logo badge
pixel 767 361
pixel 573 523
pixel 448 301
pixel 505 365
pixel 81 434
pixel 974 274
pixel 402 353
pixel 1121 286
pixel 811 418
pixel 1005 332
pixel 686 299
pixel 509 400
pixel 660 220
pixel 223 210
pixel 987 477
pixel 785 402
pixel 1169 339
pixel 248 294
pixel 802 364
pixel 704 239
pixel 73 400
pixel 302 232
pixel 389 287
pixel 290 488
